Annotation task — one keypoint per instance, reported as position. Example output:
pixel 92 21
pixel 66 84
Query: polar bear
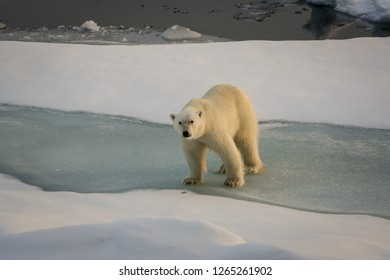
pixel 224 121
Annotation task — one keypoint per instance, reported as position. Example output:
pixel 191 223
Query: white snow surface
pixel 342 82
pixel 172 224
pixel 374 10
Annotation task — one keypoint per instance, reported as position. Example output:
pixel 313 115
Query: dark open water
pixel 232 19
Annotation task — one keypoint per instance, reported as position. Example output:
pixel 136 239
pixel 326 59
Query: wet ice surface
pixel 321 167
pixel 84 152
pixel 316 167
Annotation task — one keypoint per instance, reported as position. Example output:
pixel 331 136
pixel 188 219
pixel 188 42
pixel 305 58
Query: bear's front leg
pixel 195 153
pixel 233 165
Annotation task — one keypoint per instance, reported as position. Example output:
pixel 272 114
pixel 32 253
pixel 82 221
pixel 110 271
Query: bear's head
pixel 189 123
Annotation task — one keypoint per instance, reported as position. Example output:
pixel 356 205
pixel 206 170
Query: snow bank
pixel 374 10
pixel 316 81
pixel 173 224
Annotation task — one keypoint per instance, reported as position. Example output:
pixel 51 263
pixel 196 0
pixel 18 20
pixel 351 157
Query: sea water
pixel 315 167
pixel 121 21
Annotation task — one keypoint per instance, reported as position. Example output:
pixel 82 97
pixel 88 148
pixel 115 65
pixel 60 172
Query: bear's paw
pixel 253 169
pixel 234 182
pixel 192 181
pixel 220 170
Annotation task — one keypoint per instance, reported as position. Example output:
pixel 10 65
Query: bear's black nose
pixel 186 134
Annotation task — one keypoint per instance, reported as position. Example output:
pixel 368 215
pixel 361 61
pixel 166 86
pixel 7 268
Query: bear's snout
pixel 186 134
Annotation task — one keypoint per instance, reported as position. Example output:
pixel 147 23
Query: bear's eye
pixel 192 121
pixel 180 123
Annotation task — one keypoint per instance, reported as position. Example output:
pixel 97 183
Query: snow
pixel 316 81
pixel 374 10
pixel 172 224
pixel 340 82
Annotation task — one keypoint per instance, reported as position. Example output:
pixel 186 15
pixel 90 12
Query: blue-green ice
pixel 314 167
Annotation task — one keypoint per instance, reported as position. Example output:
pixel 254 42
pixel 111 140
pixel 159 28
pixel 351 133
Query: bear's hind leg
pixel 220 170
pixel 250 154
pixel 254 167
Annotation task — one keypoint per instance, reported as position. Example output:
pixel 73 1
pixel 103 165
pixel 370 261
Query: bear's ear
pixel 200 114
pixel 173 116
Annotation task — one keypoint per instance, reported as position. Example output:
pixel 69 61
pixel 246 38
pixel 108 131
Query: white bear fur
pixel 224 121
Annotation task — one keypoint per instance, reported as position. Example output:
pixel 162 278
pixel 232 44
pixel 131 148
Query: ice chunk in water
pixel 178 32
pixel 91 26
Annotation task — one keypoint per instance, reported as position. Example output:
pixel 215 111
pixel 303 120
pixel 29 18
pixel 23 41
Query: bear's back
pixel 231 106
pixel 230 99
pixel 224 93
